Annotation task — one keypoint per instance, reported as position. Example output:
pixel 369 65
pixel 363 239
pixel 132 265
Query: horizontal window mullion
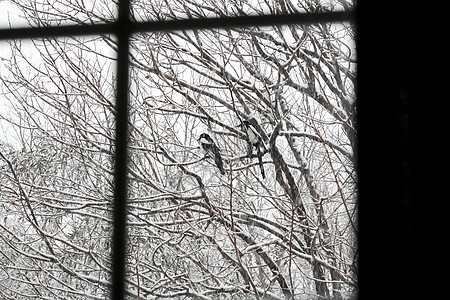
pixel 184 24
pixel 245 21
pixel 54 31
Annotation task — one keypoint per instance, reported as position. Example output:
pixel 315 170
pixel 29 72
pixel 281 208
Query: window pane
pixel 196 231
pixel 56 166
pixel 150 10
pixel 41 13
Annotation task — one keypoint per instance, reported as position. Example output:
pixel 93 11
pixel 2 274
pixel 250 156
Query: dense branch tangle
pixel 192 231
pixel 295 84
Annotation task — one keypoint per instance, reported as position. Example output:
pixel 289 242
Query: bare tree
pixel 193 232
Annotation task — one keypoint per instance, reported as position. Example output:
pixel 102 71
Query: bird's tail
pixel 260 162
pixel 219 163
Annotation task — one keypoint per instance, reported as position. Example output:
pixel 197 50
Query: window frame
pixel 123 28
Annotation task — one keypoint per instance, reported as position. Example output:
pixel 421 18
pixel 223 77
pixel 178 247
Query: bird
pixel 211 150
pixel 256 140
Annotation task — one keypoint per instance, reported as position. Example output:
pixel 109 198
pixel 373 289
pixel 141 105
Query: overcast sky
pixel 10 15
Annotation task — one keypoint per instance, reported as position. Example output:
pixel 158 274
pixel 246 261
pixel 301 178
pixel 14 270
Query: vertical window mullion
pixel 122 31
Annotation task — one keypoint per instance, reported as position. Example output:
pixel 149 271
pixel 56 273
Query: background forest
pixel 193 233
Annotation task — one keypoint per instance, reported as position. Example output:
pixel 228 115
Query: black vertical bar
pixel 120 166
pixel 385 191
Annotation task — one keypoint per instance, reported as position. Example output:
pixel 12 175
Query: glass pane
pixel 150 10
pixel 56 167
pixel 42 13
pixel 267 209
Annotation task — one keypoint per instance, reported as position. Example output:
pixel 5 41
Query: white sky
pixel 10 16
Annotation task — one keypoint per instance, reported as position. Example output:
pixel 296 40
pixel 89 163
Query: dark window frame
pixel 123 28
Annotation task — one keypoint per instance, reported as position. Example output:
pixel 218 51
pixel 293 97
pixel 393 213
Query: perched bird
pixel 256 140
pixel 211 150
